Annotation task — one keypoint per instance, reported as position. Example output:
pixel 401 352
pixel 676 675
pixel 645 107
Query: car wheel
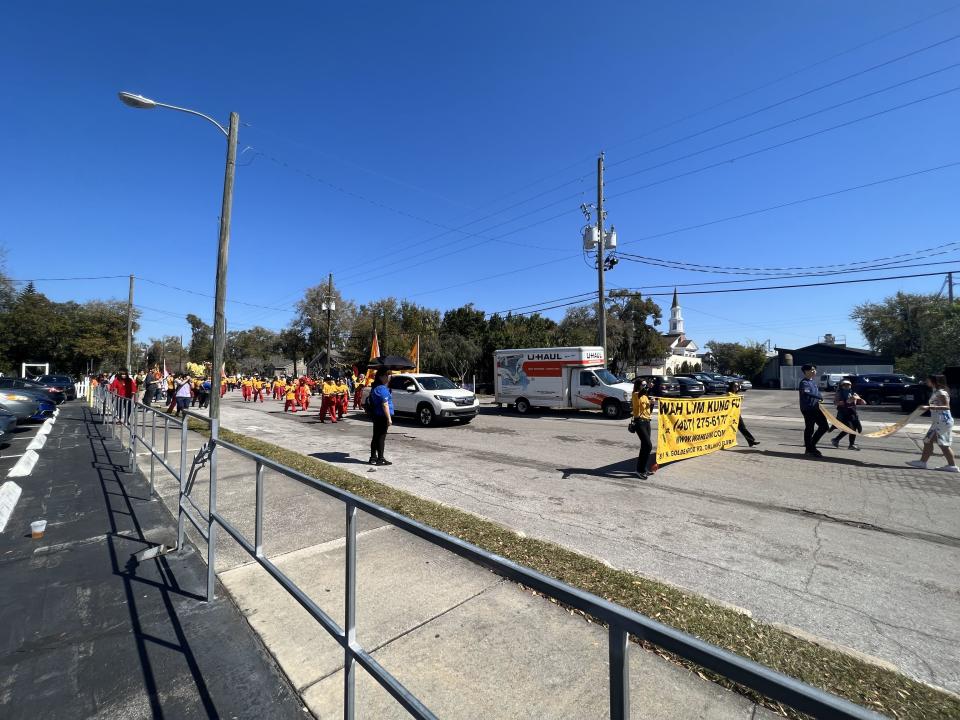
pixel 425 415
pixel 612 410
pixel 874 399
pixel 523 406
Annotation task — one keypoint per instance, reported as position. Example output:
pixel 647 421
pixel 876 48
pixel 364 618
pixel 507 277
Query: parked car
pixel 661 386
pixel 914 395
pixel 31 387
pixel 26 406
pixel 8 421
pixel 689 387
pixel 63 383
pixel 743 382
pixel 829 381
pixel 881 387
pixel 710 383
pixel 429 398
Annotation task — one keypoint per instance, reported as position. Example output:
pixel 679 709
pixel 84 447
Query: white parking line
pixel 24 465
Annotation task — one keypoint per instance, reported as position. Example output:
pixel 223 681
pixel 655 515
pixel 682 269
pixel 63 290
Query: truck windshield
pixel 607 377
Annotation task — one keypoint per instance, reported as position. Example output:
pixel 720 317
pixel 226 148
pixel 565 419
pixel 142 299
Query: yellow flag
pixel 688 428
pixel 415 355
pixel 374 352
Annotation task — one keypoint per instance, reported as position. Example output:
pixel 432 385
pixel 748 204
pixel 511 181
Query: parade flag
pixel 689 428
pixel 374 353
pixel 165 373
pixel 882 432
pixel 415 355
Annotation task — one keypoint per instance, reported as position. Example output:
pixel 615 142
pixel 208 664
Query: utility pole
pixel 223 250
pixel 180 364
pixel 383 335
pixel 950 287
pixel 130 327
pixel 602 308
pixel 329 305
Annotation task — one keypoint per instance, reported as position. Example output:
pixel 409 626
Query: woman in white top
pixel 941 426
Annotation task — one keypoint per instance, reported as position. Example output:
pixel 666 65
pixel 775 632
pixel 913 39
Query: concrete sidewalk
pixel 87 631
pixel 468 643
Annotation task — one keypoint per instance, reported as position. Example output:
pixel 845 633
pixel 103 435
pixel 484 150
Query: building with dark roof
pixel 784 371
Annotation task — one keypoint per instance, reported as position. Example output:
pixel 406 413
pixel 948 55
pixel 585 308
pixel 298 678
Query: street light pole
pixel 329 308
pixel 601 292
pixel 219 319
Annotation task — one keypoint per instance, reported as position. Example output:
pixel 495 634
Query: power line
pixel 791 203
pixel 799 118
pixel 58 279
pixel 830 84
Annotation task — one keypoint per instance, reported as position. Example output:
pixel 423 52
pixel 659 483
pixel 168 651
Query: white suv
pixel 430 397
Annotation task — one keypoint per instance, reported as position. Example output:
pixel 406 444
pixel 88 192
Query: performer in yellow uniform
pixel 329 402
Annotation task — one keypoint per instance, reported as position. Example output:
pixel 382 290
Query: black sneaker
pixel 642 475
pixel 384 462
pixel 813 452
pixel 754 443
pixel 373 461
pixel 835 442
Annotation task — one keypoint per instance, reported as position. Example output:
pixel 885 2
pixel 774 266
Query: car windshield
pixel 606 377
pixel 54 378
pixel 437 383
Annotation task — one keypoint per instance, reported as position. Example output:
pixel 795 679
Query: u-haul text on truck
pixel 564 377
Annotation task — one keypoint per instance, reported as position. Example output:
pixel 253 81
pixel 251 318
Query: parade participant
pixel 303 395
pixel 642 408
pixel 290 393
pixel 257 389
pixel 150 386
pixel 342 391
pixel 170 390
pixel 183 393
pixel 125 388
pixel 814 423
pixel 358 394
pixel 246 387
pixel 846 401
pixel 941 426
pixel 203 392
pixel 194 391
pixel 382 402
pixel 328 404
pixel 224 384
pixel 734 389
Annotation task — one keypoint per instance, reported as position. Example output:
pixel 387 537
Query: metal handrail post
pixel 183 482
pixel 153 445
pixel 212 511
pixel 619 674
pixel 166 435
pixel 258 510
pixel 350 614
pixel 131 413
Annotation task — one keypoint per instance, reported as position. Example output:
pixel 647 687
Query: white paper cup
pixel 37 528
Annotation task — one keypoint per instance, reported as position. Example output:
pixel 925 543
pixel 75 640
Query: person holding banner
pixel 941 426
pixel 846 401
pixel 815 425
pixel 734 389
pixel 642 408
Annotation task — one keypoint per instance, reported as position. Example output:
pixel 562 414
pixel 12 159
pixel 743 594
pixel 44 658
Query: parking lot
pixel 856 549
pixel 14 444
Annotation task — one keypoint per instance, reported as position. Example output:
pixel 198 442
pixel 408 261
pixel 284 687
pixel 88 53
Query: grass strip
pixel 847 676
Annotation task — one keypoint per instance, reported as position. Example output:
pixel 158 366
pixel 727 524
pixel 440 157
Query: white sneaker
pixel 949 468
pixel 917 464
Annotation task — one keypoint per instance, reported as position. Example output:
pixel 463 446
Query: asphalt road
pixel 856 549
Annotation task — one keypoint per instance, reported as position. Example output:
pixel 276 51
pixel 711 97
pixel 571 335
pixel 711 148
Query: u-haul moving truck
pixel 563 377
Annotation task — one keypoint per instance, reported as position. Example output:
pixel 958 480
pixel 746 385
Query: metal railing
pixel 621 622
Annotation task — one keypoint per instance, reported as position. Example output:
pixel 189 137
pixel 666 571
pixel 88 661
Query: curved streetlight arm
pixel 198 114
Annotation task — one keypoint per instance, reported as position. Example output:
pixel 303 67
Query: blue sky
pixel 370 129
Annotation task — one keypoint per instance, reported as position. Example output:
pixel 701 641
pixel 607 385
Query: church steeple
pixel 676 316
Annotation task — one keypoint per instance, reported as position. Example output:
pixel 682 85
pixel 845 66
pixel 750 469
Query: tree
pixel 735 358
pixel 911 328
pixel 632 337
pixel 201 339
pixel 292 343
pixel 458 356
pixel 312 319
pixel 250 350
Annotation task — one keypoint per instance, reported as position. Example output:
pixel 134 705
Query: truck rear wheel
pixel 612 410
pixel 523 406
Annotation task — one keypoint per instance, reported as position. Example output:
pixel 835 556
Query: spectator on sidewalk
pixel 941 426
pixel 183 393
pixel 150 387
pixel 814 423
pixel 124 387
pixel 381 401
pixel 846 401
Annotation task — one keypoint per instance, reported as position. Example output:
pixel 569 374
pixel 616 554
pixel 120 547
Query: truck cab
pixel 599 389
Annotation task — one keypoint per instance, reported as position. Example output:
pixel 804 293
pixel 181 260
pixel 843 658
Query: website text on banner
pixel 689 428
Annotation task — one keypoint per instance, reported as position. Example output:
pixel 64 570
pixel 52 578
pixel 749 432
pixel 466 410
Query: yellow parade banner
pixel 691 427
pixel 882 432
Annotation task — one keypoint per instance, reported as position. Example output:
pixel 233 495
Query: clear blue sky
pixel 453 111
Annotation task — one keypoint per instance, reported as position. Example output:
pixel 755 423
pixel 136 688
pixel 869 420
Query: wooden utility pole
pixel 130 327
pixel 950 286
pixel 602 308
pixel 329 308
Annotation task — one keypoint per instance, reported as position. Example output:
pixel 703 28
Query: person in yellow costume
pixel 257 389
pixel 342 392
pixel 246 386
pixel 329 402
